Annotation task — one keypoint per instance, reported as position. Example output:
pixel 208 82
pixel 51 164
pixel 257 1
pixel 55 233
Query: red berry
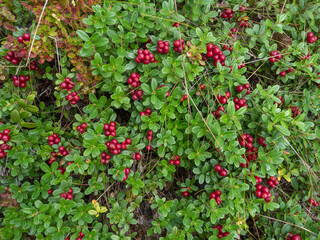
pixel 212 196
pixel 218 167
pixel 185 194
pixel 223 173
pixel 239 88
pixel 20 39
pixel 138 156
pixel 26 36
pixel 282 73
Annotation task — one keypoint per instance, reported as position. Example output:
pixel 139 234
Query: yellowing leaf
pixel 287 177
pixel 92 212
pixel 103 209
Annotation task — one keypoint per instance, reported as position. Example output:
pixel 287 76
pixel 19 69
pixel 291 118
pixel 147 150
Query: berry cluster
pixel 217 113
pixel 226 47
pixel 4 136
pixel 246 141
pixel 251 155
pixel 221 234
pixel 136 94
pixel 145 57
pixel 53 139
pixel 33 66
pixel 216 195
pixel 24 38
pixel 134 80
pixel 222 172
pixel 110 129
pixel 67 195
pixel 53 157
pixel 81 235
pixel 115 147
pixel 305 57
pixel 177 24
pixel 258 179
pixel 175 160
pixel 163 47
pixel 105 157
pixel 223 99
pixel 228 13
pixel 184 97
pixel 263 192
pixel 240 88
pixel 311 37
pixel 62 151
pixel 136 156
pixel 73 98
pixel 313 202
pixel 262 141
pixel 293 237
pixel 20 81
pixel 150 135
pixel 214 52
pixel 146 112
pixel 273 181
pixel 179 45
pixel 126 172
pixel 13 58
pixel 81 128
pixel 275 56
pixel 62 170
pixel 283 73
pixel 239 103
pixel 67 84
pixel 295 111
pixel 244 21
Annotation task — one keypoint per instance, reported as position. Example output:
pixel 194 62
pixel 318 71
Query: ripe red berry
pixel 223 173
pixel 50 191
pixel 26 36
pixel 212 195
pixel 20 39
pixel 239 88
pixel 138 156
pixel 218 167
pixel 70 196
pixel 282 73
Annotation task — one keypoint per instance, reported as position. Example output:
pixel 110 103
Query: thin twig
pixel 287 223
pixel 35 34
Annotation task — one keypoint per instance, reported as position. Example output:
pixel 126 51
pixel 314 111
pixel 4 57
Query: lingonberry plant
pixel 159 120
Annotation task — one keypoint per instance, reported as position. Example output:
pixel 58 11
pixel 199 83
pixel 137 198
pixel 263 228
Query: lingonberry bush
pixel 159 120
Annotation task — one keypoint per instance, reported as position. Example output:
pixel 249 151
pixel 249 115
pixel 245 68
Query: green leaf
pixel 283 130
pixel 15 116
pixel 83 35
